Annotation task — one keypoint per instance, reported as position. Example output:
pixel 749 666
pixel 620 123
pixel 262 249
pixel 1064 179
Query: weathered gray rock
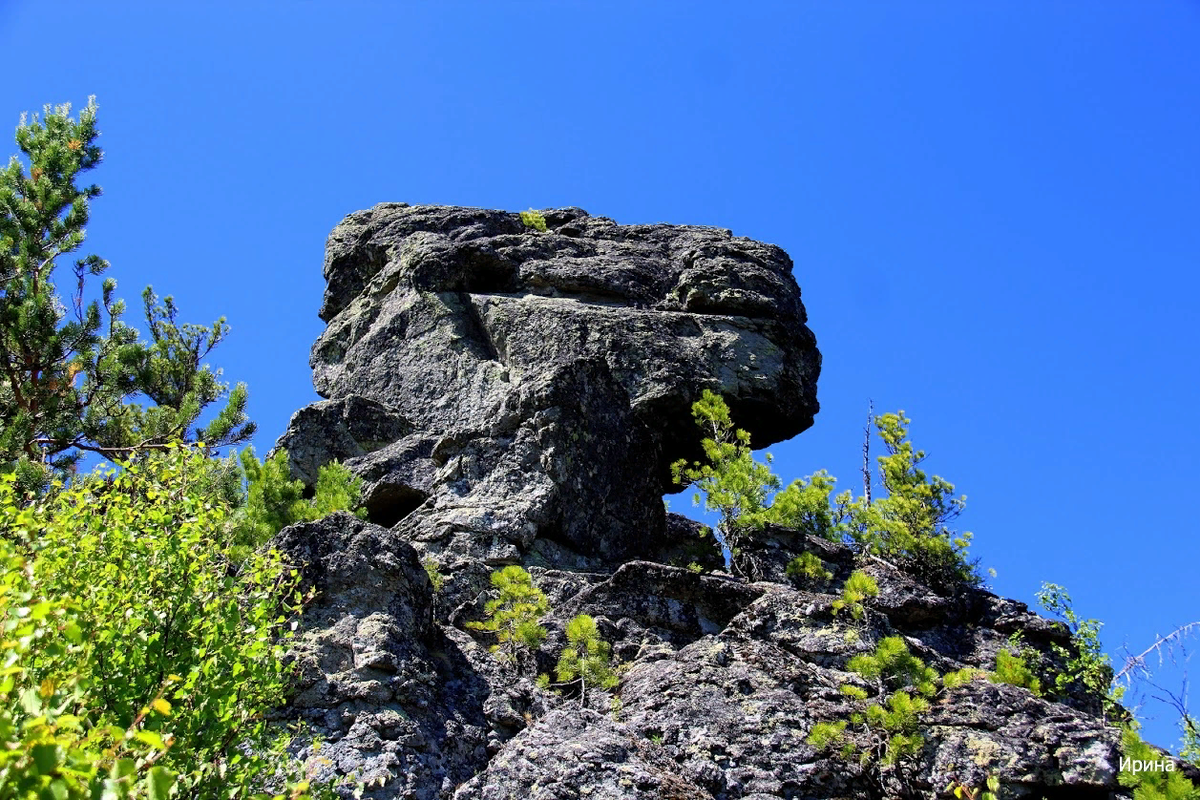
pixel 397 704
pixel 541 383
pixel 516 397
pixel 723 683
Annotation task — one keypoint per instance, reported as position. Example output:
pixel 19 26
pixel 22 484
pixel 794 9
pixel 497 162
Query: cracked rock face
pixel 513 396
pixel 722 682
pixel 518 384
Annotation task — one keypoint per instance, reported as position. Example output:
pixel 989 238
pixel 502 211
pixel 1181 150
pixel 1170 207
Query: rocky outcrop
pixel 722 682
pixel 517 384
pixel 516 396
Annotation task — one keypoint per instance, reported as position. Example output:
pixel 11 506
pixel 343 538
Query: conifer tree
pixel 68 371
pixel 586 657
pixel 275 500
pixel 910 524
pixel 734 485
pixel 513 615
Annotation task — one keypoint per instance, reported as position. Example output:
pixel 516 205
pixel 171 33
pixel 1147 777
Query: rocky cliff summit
pixel 513 395
pixel 522 385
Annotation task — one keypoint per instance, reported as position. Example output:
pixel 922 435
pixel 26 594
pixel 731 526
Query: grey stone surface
pixel 516 397
pixel 541 383
pixel 721 683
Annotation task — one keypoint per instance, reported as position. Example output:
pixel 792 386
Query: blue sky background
pixel 991 209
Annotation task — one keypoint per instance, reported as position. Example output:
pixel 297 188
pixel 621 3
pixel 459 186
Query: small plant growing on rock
pixel 534 219
pixel 1013 670
pixel 808 567
pixel 513 615
pixel 586 657
pixel 896 666
pixel 734 485
pixel 893 726
pixel 436 578
pixel 858 587
pixel 986 792
pixel 962 676
pixel 1088 666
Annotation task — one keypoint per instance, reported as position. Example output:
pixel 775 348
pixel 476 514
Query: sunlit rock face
pixel 511 395
pixel 516 383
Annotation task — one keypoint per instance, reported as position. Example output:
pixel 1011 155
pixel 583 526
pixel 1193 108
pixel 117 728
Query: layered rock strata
pixel 517 384
pixel 512 395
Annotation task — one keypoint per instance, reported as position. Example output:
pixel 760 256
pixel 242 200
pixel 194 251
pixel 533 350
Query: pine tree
pixel 910 524
pixel 734 485
pixel 513 615
pixel 275 500
pixel 586 657
pixel 68 371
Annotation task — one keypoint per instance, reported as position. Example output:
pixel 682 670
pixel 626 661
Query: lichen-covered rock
pixel 515 397
pixel 541 382
pixel 394 700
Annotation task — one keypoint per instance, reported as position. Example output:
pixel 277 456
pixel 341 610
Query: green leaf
pixel 159 781
pixel 45 757
pixel 151 738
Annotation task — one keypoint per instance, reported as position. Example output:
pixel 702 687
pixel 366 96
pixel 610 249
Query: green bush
pixel 896 667
pixel 586 657
pixel 808 567
pixel 908 525
pixel 1086 667
pixel 734 485
pixel 275 500
pixel 804 505
pixel 962 676
pixel 896 719
pixel 161 620
pixel 534 219
pixel 1013 670
pixel 514 613
pixel 48 748
pixel 1151 784
pixel 858 587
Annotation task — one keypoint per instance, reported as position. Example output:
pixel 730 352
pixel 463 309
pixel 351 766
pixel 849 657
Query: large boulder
pixel 517 384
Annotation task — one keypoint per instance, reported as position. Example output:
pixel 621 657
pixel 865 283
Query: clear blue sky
pixel 991 209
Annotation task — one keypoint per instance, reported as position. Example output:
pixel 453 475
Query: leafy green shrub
pixel 46 748
pixel 275 500
pixel 809 567
pixel 586 657
pixel 858 587
pixel 959 677
pixel 163 623
pixel 1151 784
pixel 896 667
pixel 962 791
pixel 1088 667
pixel 534 219
pixel 908 525
pixel 1013 670
pixel 513 615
